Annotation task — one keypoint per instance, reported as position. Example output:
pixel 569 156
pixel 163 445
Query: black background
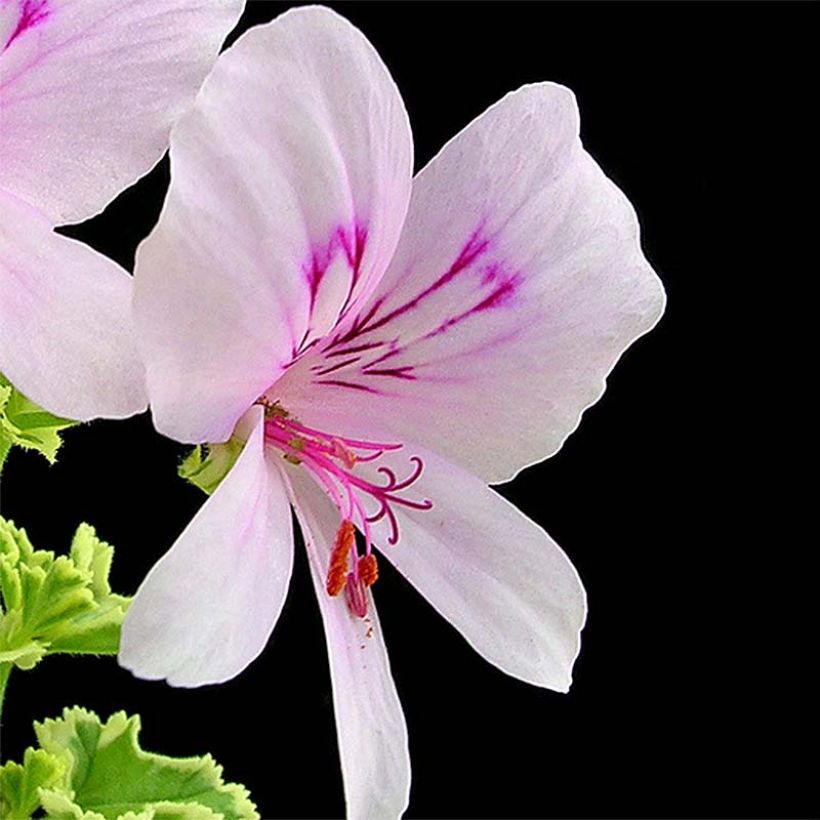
pixel 686 701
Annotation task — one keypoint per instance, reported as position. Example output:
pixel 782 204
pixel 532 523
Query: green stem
pixel 5 671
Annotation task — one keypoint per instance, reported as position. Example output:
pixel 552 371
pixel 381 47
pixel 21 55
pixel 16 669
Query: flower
pixel 386 347
pixel 88 94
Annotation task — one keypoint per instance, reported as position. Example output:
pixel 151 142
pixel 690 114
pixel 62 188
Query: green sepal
pixel 19 785
pixel 109 777
pixel 56 604
pixel 25 424
pixel 207 464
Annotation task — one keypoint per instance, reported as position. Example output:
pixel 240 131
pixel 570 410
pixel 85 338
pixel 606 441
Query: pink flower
pixel 388 346
pixel 88 94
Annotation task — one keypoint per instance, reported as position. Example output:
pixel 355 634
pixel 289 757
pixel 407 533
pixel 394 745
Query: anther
pixel 337 569
pixel 356 594
pixel 368 569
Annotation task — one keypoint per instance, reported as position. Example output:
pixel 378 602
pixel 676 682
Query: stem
pixel 5 671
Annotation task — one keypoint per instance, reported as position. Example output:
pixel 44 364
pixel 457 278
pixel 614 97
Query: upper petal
pixel 290 183
pixel 370 723
pixel 518 282
pixel 89 91
pixel 487 568
pixel 66 333
pixel 209 605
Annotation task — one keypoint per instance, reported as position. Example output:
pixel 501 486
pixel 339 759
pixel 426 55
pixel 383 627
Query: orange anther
pixel 368 569
pixel 337 569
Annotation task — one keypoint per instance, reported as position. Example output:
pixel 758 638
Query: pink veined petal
pixel 370 722
pixel 488 569
pixel 290 182
pixel 66 333
pixel 518 282
pixel 209 605
pixel 89 91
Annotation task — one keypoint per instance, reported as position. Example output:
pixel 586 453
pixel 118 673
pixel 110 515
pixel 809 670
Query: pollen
pixel 342 546
pixel 368 569
pixel 273 410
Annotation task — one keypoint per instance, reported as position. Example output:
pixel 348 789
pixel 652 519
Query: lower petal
pixel 369 720
pixel 489 570
pixel 208 607
pixel 66 336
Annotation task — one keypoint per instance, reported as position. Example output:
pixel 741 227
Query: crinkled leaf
pixel 108 775
pixel 207 464
pixel 19 784
pixel 56 604
pixel 25 424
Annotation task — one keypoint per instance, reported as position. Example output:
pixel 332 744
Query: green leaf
pixel 207 464
pixel 56 604
pixel 108 776
pixel 25 424
pixel 19 784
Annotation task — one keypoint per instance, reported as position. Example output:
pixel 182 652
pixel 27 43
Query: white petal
pixel 518 282
pixel 209 605
pixel 66 334
pixel 488 569
pixel 290 183
pixel 89 91
pixel 369 720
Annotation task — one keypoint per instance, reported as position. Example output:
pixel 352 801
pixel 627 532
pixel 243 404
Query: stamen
pixel 356 594
pixel 333 463
pixel 368 569
pixel 342 546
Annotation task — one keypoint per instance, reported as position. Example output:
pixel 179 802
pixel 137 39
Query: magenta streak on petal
pixel 491 273
pixel 502 294
pixel 469 253
pixel 33 12
pixel 355 349
pixel 357 326
pixel 314 274
pixel 351 243
pixel 403 372
pixel 351 385
pixel 324 371
pixel 394 351
pixel 354 251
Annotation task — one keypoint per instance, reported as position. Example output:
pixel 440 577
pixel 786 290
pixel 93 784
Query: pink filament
pixel 332 460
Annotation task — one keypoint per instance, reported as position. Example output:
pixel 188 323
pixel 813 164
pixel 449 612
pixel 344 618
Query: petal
pixel 290 183
pixel 89 91
pixel 369 720
pixel 209 605
pixel 66 334
pixel 487 568
pixel 518 282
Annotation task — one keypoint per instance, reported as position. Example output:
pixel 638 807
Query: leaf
pixel 56 604
pixel 108 776
pixel 207 464
pixel 25 424
pixel 19 784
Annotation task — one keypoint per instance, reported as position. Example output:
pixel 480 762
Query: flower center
pixel 331 461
